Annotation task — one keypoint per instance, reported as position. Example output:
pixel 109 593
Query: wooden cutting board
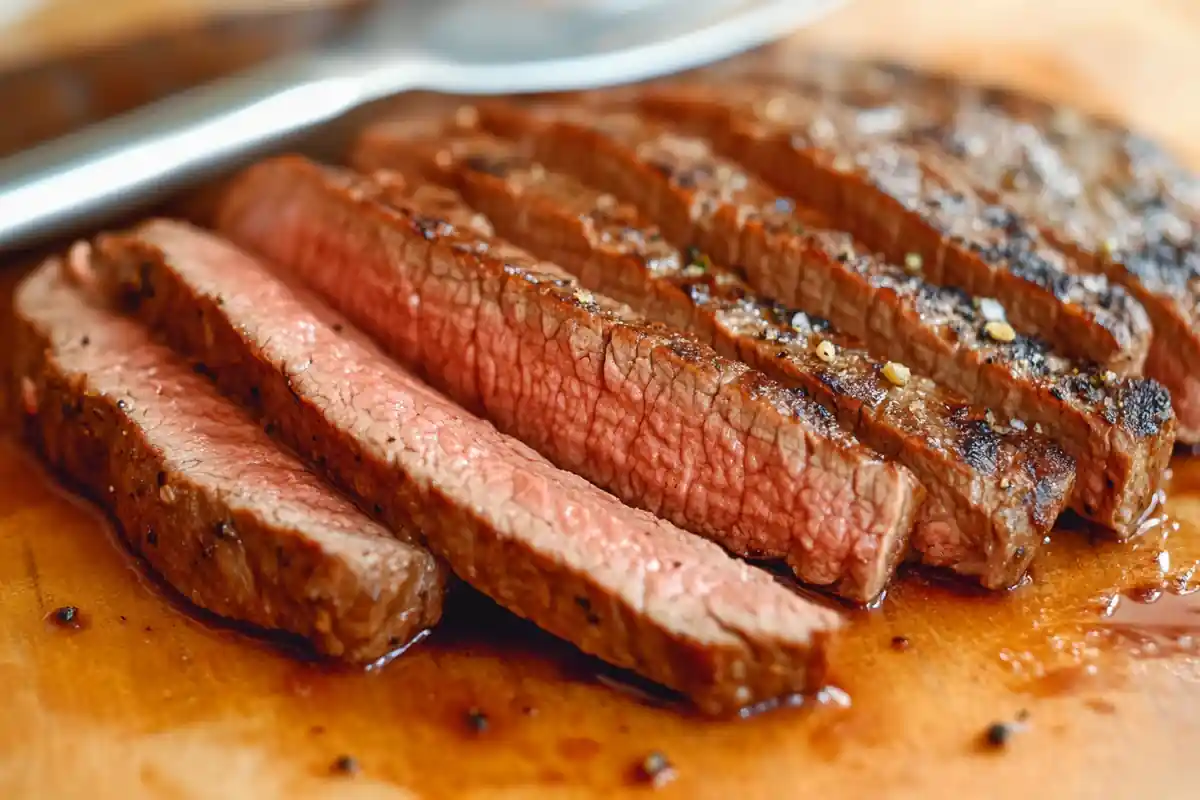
pixel 144 700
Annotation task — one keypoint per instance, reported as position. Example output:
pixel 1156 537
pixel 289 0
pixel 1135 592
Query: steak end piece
pixel 232 522
pixel 549 546
pixel 648 413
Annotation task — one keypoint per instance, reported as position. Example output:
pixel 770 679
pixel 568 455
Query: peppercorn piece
pixel 896 374
pixel 1000 331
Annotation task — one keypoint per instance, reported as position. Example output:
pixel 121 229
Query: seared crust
pixel 233 523
pixel 902 199
pixel 648 413
pixel 1110 200
pixel 1119 431
pixel 547 545
pixel 991 497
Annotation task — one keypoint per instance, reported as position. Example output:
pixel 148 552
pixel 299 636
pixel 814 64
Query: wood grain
pixel 145 701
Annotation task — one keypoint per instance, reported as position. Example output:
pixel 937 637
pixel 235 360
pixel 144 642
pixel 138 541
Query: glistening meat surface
pixel 1119 431
pixel 992 497
pixel 648 413
pixel 617 582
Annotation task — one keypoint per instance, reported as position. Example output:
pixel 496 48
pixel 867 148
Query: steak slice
pixel 1119 431
pixel 904 200
pixel 648 413
pixel 228 519
pixel 992 497
pixel 619 583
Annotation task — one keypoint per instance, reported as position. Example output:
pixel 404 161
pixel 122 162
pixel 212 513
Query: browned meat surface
pixel 1119 431
pixel 1108 200
pixel 902 200
pixel 992 497
pixel 201 493
pixel 648 413
pixel 619 583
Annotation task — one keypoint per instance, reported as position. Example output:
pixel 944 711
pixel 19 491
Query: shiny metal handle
pixel 118 166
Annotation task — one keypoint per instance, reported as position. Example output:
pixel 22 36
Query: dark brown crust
pixel 1119 431
pixel 901 199
pixel 992 496
pixel 761 469
pixel 352 591
pixel 1109 200
pixel 541 542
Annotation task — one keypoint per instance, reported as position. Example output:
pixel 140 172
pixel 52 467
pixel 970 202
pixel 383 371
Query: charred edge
pixel 1146 407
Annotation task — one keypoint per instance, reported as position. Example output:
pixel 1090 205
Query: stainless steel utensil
pixel 475 47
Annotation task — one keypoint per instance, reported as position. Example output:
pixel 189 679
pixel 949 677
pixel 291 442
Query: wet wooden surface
pixel 143 700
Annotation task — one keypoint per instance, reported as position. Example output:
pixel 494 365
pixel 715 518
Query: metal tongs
pixel 477 47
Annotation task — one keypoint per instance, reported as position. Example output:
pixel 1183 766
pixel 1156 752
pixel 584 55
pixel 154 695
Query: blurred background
pixel 66 62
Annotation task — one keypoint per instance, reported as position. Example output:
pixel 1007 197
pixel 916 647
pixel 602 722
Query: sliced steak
pixel 1110 201
pixel 1119 431
pixel 648 413
pixel 992 497
pixel 1093 193
pixel 1106 222
pixel 619 583
pixel 906 200
pixel 228 519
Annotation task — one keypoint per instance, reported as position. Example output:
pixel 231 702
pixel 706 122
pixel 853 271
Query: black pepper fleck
pixel 344 765
pixel 477 721
pixel 66 617
pixel 590 615
pixel 998 734
pixel 900 643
